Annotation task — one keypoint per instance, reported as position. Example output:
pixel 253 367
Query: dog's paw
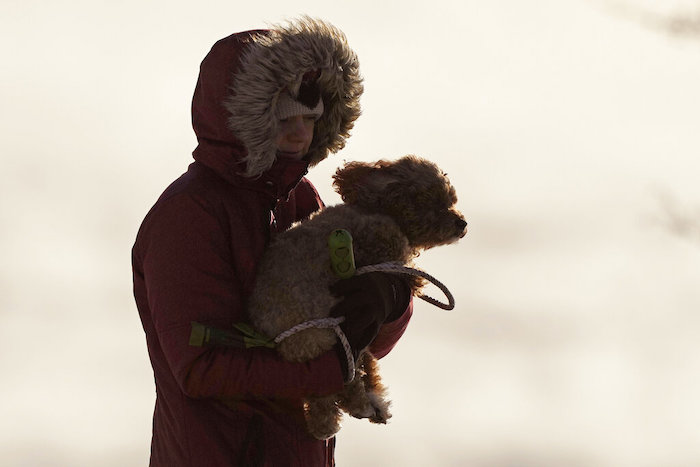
pixel 380 408
pixel 322 417
pixel 366 411
pixel 324 429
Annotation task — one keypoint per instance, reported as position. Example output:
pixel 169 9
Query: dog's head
pixel 412 190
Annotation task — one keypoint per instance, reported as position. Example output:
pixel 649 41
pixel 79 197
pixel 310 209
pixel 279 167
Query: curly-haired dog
pixel 393 209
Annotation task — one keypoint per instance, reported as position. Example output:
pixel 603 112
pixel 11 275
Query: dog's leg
pixel 354 399
pixel 364 396
pixel 322 416
pixel 376 391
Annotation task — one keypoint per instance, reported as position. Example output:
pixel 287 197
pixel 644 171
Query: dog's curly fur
pixel 393 209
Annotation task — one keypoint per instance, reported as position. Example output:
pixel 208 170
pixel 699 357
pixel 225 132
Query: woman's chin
pixel 296 156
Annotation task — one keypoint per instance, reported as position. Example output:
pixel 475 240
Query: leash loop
pixel 398 268
pixel 391 267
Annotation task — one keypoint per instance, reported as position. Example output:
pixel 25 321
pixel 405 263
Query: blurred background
pixel 571 129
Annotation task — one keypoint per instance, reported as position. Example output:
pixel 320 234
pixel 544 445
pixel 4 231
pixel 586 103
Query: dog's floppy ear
pixel 347 180
pixel 359 181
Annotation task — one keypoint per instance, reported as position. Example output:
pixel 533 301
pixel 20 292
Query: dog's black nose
pixel 461 225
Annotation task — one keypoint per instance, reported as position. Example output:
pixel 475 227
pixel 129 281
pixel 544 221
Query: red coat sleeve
pixel 390 333
pixel 188 275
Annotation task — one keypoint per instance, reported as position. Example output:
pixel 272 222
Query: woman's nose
pixel 297 129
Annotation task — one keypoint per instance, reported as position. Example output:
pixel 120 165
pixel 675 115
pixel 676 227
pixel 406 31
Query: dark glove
pixel 369 300
pixel 379 296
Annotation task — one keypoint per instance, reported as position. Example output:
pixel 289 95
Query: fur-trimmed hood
pixel 234 104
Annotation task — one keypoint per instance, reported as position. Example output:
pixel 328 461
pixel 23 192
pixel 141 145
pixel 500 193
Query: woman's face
pixel 294 136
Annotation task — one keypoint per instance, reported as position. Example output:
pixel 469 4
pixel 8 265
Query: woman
pixel 268 105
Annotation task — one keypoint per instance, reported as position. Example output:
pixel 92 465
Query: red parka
pixel 196 253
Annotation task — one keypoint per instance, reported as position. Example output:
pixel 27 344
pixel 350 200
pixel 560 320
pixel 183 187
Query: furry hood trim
pixel 275 61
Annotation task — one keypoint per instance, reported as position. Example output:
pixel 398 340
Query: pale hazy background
pixel 571 129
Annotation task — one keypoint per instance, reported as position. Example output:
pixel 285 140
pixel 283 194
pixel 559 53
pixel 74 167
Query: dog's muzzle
pixel 461 225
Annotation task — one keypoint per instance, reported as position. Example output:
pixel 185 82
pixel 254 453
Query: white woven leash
pixel 392 267
pixel 325 323
pixel 398 268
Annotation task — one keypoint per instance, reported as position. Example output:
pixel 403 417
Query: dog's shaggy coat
pixel 392 210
